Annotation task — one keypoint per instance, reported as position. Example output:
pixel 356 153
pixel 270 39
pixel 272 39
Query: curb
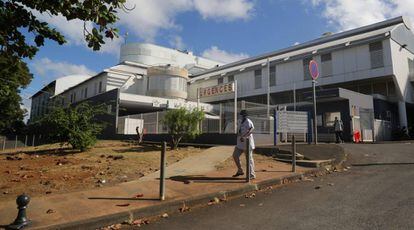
pixel 173 206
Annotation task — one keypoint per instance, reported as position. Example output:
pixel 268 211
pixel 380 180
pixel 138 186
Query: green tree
pixel 182 123
pixel 14 75
pixel 76 125
pixel 23 32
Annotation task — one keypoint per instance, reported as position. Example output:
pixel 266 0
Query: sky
pixel 222 30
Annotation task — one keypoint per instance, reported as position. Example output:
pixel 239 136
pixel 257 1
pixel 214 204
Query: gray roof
pixel 318 41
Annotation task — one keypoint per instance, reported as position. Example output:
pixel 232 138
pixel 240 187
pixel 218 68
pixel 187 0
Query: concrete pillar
pixel 403 114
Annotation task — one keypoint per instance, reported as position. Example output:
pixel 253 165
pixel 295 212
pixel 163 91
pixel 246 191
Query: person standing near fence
pixel 139 134
pixel 339 129
pixel 245 131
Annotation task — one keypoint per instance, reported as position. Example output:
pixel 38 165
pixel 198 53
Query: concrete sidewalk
pixel 104 206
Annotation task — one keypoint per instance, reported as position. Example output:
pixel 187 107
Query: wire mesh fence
pixel 21 141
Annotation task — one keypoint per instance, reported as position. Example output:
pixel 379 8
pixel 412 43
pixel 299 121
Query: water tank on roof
pixel 167 82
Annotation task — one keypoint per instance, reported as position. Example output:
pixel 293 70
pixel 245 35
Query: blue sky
pixel 225 30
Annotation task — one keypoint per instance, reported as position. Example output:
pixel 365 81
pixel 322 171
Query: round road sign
pixel 313 69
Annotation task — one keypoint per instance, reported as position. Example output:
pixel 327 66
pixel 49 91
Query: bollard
pixel 293 153
pixel 162 171
pixel 247 151
pixel 21 220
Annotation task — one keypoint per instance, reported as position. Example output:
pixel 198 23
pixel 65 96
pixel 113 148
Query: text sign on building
pixel 292 122
pixel 216 90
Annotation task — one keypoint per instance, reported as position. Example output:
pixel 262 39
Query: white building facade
pixel 362 71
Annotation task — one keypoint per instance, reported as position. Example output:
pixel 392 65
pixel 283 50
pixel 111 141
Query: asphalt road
pixel 377 194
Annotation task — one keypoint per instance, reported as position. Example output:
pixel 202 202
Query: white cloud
pixel 227 10
pixel 349 14
pixel 214 53
pixel 148 17
pixel 177 42
pixel 49 69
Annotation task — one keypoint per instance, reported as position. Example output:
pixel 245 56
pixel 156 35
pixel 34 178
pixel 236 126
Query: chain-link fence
pixel 20 141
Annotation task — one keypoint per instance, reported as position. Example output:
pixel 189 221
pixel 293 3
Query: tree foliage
pixel 14 75
pixel 183 123
pixel 19 16
pixel 76 125
pixel 23 32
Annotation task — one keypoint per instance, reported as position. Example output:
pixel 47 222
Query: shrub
pixel 183 123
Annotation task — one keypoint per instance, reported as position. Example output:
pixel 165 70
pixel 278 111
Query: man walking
pixel 339 128
pixel 244 132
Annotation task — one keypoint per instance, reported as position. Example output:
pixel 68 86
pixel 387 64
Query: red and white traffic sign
pixel 314 69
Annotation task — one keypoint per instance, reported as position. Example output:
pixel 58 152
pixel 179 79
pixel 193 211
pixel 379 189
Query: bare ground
pixel 51 169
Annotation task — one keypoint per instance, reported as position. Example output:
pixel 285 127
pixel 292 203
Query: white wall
pixel 348 64
pixel 150 54
pixel 402 82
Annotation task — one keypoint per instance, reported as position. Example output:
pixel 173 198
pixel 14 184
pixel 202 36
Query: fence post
pixel 33 140
pixel 293 153
pixel 247 153
pixel 25 141
pixel 15 143
pixel 162 171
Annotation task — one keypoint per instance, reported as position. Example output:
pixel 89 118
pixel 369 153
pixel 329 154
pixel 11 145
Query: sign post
pixel 314 71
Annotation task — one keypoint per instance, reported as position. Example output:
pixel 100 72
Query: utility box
pixel 128 125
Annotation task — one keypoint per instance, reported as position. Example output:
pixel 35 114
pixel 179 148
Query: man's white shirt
pixel 242 131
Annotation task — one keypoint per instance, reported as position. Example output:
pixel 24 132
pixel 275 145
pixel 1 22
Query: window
pixel 272 75
pixel 306 73
pixel 220 80
pixel 411 68
pixel 100 87
pixel 376 54
pixel 330 118
pixel 230 78
pixel 85 92
pixel 95 88
pixel 258 79
pixel 391 88
pixel 326 60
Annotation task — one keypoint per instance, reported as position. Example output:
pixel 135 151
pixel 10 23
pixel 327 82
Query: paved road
pixel 379 194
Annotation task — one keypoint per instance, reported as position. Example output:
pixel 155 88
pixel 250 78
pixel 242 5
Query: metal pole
pixel 293 153
pixel 315 122
pixel 162 171
pixel 294 96
pixel 15 143
pixel 247 151
pixel 235 106
pixel 156 124
pixel 268 89
pixel 220 115
pixel 274 127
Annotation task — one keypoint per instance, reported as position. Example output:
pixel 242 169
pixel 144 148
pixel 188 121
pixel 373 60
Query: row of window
pixel 376 58
pixel 84 92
